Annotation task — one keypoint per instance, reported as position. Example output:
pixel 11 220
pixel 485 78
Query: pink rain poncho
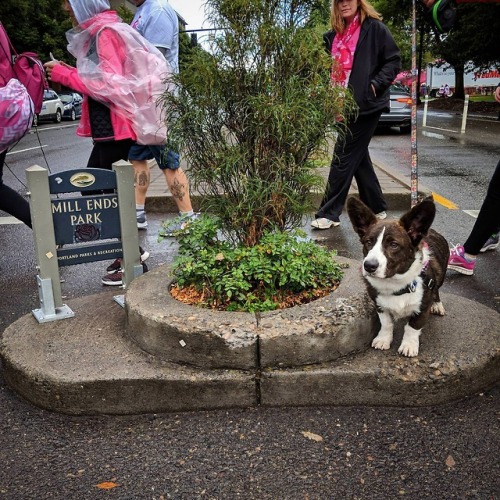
pixel 124 71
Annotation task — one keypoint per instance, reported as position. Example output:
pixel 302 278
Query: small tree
pixel 254 113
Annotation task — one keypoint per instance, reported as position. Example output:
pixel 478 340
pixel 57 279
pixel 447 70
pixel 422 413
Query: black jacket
pixel 376 61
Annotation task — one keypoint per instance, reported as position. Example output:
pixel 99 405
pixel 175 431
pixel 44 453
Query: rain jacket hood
pixel 86 9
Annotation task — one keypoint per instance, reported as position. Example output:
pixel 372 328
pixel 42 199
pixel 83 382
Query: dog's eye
pixel 368 243
pixel 394 245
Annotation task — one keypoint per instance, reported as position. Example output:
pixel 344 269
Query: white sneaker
pixel 322 223
pixel 381 216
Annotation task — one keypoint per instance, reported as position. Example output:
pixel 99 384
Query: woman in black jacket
pixel 366 60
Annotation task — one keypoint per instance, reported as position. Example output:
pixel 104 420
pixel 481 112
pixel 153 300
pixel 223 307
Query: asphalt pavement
pixel 443 451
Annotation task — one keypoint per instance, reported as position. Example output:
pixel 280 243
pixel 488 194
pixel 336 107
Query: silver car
pixel 400 113
pixel 52 108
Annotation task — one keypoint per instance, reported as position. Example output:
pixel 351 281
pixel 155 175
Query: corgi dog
pixel 404 266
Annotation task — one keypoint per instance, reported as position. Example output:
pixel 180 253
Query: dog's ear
pixel 418 220
pixel 360 215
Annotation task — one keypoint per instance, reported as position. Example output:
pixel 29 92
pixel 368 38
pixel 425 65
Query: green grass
pixel 482 98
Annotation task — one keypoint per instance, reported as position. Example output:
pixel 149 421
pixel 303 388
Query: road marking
pixel 472 213
pixel 9 220
pixel 444 201
pixel 28 149
pixel 55 127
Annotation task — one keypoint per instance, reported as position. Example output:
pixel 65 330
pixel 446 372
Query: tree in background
pixel 252 114
pixel 473 42
pixel 37 25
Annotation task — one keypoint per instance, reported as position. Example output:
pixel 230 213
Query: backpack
pixel 16 113
pixel 25 67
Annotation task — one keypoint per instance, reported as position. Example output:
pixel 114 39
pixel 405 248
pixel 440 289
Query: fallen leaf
pixel 311 436
pixel 107 485
pixel 450 462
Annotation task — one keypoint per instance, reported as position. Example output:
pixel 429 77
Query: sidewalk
pixel 395 187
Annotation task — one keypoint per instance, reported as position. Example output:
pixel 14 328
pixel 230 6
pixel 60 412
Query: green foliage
pixel 37 26
pixel 256 278
pixel 253 113
pixel 472 42
pixel 125 13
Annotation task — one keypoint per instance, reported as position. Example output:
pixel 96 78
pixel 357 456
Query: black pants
pixel 11 201
pixel 488 220
pixel 351 159
pixel 104 154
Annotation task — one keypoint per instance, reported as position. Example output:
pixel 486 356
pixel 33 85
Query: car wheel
pixel 58 117
pixel 405 129
pixel 73 115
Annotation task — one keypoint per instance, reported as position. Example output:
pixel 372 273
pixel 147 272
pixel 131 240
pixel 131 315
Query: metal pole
pixel 130 239
pixel 49 286
pixel 464 117
pixel 426 105
pixel 414 156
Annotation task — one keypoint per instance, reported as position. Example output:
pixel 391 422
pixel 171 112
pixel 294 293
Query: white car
pixel 52 108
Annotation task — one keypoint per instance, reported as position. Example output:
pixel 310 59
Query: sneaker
pixel 491 243
pixel 323 223
pixel 381 215
pixel 113 279
pixel 142 221
pixel 458 262
pixel 117 264
pixel 179 224
pixel 116 278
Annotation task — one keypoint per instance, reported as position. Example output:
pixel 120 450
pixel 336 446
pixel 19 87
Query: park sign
pixel 84 223
pixel 81 216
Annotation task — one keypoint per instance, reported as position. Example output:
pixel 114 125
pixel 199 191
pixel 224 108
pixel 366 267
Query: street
pixel 448 451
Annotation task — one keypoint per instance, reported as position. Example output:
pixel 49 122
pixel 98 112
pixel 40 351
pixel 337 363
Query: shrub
pixel 253 113
pixel 262 277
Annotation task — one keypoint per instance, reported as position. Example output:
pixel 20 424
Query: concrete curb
pixel 87 365
pixel 339 324
pixel 396 188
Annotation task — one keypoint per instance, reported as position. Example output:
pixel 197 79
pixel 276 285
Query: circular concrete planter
pixel 342 323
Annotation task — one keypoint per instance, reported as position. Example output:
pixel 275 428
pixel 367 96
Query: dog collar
pixel 426 281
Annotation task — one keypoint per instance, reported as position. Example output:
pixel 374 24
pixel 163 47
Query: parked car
pixel 72 102
pixel 52 108
pixel 400 113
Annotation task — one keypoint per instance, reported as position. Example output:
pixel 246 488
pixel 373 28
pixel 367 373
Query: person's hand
pixel 49 66
pixel 497 94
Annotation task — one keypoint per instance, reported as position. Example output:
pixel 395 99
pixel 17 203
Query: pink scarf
pixel 343 48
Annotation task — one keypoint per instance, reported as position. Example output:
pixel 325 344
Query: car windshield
pixel 397 88
pixel 66 98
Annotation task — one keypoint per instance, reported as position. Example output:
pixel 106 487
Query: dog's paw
pixel 409 348
pixel 438 308
pixel 409 345
pixel 382 342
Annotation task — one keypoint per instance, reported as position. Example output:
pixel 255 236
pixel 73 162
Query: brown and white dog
pixel 404 266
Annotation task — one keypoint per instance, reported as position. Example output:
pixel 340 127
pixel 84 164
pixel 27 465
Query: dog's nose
pixel 370 265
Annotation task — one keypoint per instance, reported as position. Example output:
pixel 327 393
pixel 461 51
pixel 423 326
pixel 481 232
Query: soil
pixel 189 295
